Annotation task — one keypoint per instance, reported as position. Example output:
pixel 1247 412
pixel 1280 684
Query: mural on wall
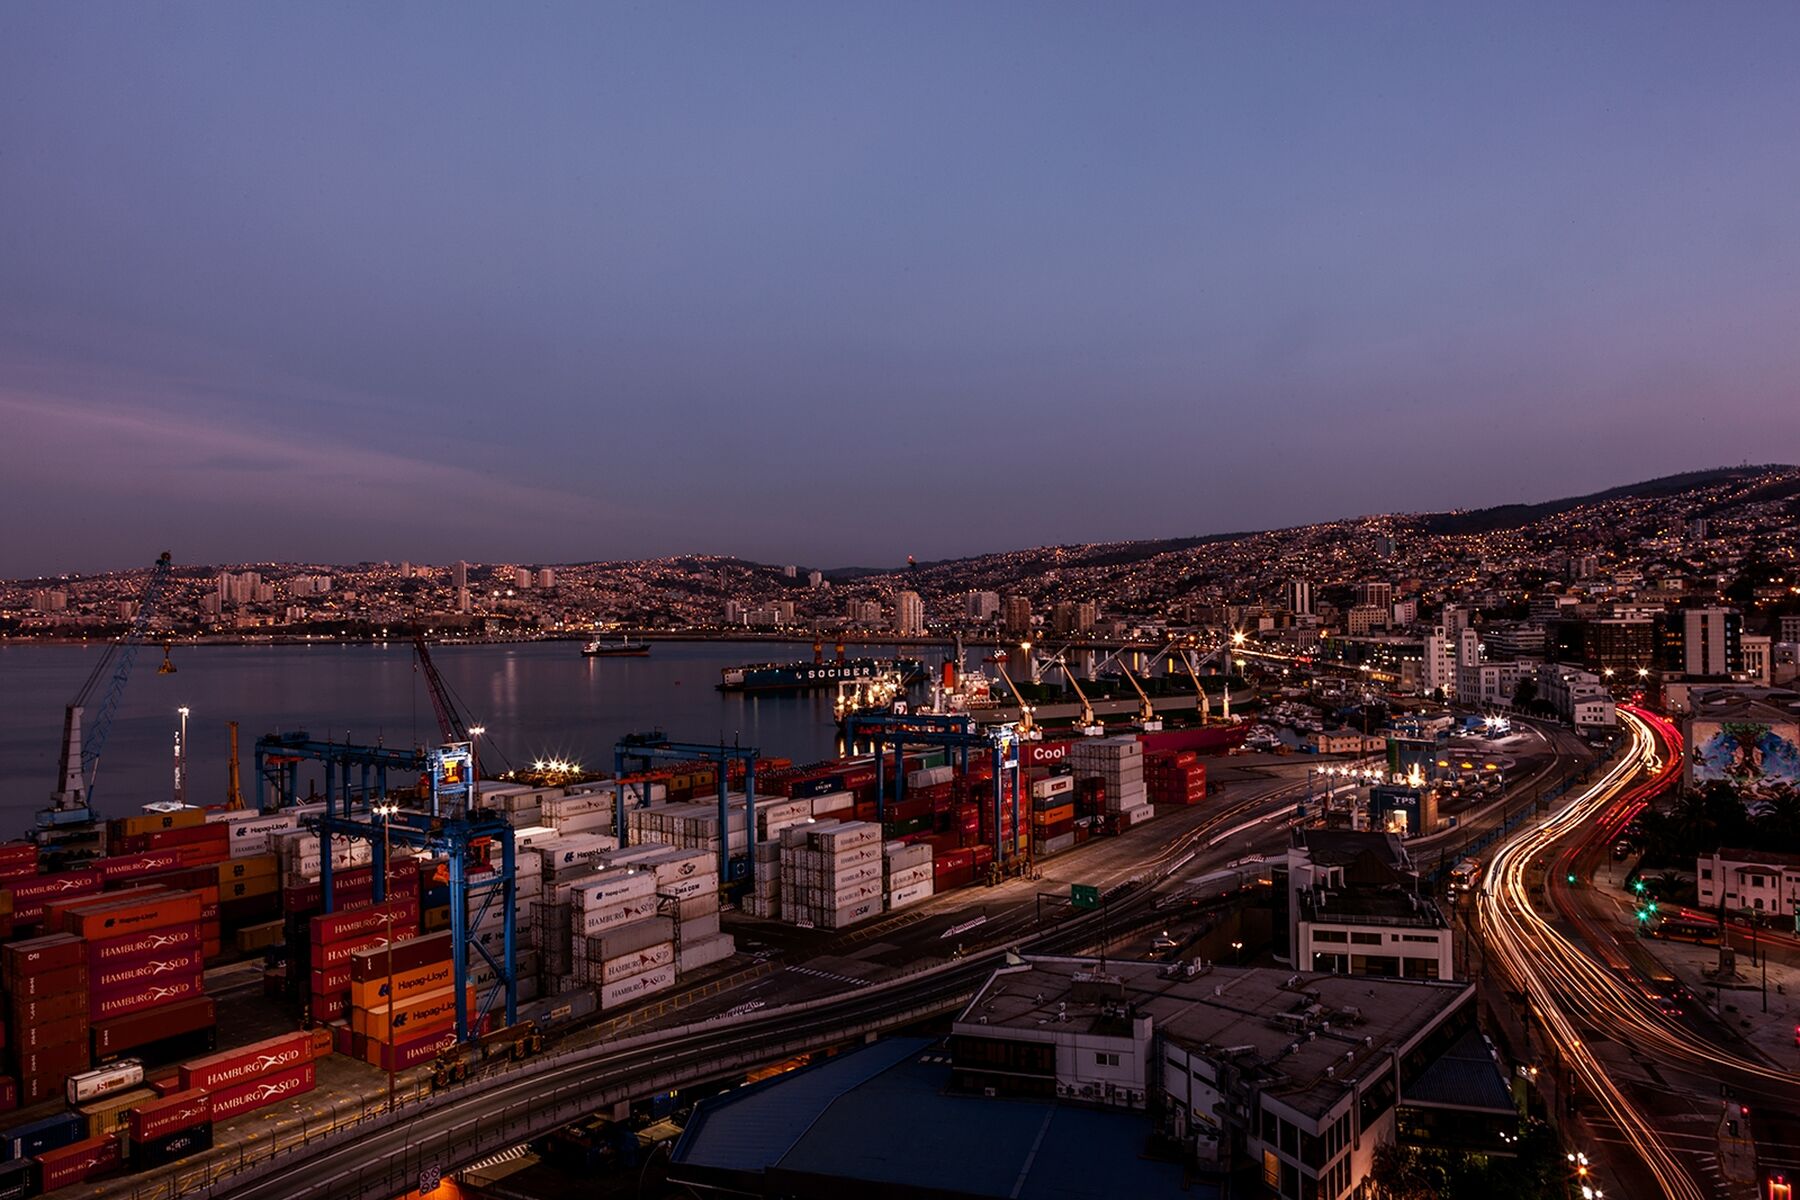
pixel 1755 758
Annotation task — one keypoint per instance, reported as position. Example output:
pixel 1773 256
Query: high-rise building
pixel 909 614
pixel 1062 618
pixel 1376 592
pixel 734 613
pixel 546 578
pixel 1790 628
pixel 1405 612
pixel 815 578
pixel 1711 641
pixel 1300 597
pixel 522 578
pixel 1016 615
pixel 1087 613
pixel 1440 661
pixel 1468 647
pixel 1455 619
pixel 459 574
pixel 791 571
pixel 865 613
pixel 981 606
pixel 49 600
pixel 1757 650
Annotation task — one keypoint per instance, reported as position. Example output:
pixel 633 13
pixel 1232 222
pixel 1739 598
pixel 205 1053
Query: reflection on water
pixel 537 700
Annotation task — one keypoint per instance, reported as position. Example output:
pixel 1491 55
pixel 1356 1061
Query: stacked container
pixel 908 873
pixel 335 937
pixel 421 966
pixel 47 1006
pixel 255 1076
pixel 159 1132
pixel 1118 762
pixel 831 873
pixel 1052 815
pixel 1175 778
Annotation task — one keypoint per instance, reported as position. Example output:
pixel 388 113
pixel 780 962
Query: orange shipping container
pixel 411 1018
pixel 432 977
pixel 151 912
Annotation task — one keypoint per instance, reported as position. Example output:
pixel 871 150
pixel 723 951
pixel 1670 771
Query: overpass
pixel 383 1154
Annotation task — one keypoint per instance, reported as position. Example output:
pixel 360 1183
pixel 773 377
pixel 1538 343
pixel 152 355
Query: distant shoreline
pixel 648 635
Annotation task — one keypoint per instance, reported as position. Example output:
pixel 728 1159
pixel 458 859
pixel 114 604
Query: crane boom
pixel 1146 710
pixel 79 762
pixel 1025 725
pixel 1087 719
pixel 450 720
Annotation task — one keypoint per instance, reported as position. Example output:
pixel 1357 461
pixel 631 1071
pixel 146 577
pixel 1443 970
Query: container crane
pixel 1087 722
pixel 1148 721
pixel 234 795
pixel 449 717
pixel 79 763
pixel 1027 729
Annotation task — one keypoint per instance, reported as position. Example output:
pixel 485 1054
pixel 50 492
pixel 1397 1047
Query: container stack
pixel 583 812
pixel 1052 815
pixel 421 966
pixel 159 1132
pixel 831 873
pixel 1175 779
pixel 909 873
pixel 335 937
pixel 619 944
pixel 250 1077
pixel 1118 762
pixel 53 1153
pixel 687 883
pixel 47 1009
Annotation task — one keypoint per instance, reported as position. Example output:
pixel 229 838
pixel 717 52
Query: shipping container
pixel 77 1162
pixel 149 943
pixel 158 1118
pixel 233 1067
pixel 136 997
pixel 122 1034
pixel 264 1090
pixel 410 954
pixel 171 1147
pixel 36 1137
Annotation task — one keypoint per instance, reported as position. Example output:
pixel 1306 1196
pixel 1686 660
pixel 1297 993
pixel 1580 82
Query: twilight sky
pixel 834 283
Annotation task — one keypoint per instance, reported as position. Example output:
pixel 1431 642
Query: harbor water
pixel 538 700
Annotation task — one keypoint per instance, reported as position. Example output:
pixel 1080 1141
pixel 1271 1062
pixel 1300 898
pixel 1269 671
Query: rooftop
pixel 1305 1037
pixel 881 1119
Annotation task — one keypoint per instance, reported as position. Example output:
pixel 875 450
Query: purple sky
pixel 835 283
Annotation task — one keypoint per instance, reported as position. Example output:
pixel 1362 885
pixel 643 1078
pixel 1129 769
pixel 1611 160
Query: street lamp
pixel 1237 949
pixel 475 732
pixel 386 811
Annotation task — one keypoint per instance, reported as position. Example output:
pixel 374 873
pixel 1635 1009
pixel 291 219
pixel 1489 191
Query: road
pixel 1654 1073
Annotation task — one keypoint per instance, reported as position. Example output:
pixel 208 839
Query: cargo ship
pixel 811 676
pixel 623 647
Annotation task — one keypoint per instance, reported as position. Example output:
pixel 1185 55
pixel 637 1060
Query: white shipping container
pixel 701 926
pixel 706 951
pixel 625 991
pixel 612 886
pixel 833 802
pixel 911 894
pixel 908 876
pixel 597 920
pixel 636 962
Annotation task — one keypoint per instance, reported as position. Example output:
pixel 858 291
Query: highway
pixel 1601 1015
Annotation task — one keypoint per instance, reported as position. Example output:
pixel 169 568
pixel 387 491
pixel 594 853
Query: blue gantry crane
pixel 958 734
pixel 451 827
pixel 70 808
pixel 642 749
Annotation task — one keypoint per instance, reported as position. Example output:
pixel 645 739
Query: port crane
pixel 1087 722
pixel 1027 729
pixel 1148 721
pixel 79 762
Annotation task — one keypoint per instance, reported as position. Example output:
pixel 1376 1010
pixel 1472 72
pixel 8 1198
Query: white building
pixel 546 578
pixel 1758 657
pixel 1439 668
pixel 1354 909
pixel 909 614
pixel 981 606
pixel 1750 879
pixel 1488 684
pixel 1579 697
pixel 1300 597
pixel 1710 641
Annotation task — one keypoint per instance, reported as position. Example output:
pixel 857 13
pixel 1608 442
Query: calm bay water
pixel 537 700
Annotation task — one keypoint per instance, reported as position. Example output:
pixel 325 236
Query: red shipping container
pixel 328 980
pixel 264 1091
pixel 43 1010
pixel 171 1114
pixel 36 891
pixel 115 1037
pixel 106 1006
pixel 36 955
pixel 52 1060
pixel 409 955
pixel 51 983
pixel 83 1160
pixel 151 968
pixel 194 835
pixel 328 1007
pixel 335 927
pixel 9 1093
pixel 152 943
pixel 123 867
pixel 421 1049
pixel 339 953
pixel 230 1067
pixel 17 852
pixel 68 1031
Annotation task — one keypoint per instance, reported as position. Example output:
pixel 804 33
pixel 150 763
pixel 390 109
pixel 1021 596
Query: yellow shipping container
pixel 107 1116
pixel 185 818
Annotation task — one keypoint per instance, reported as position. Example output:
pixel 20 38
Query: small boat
pixel 624 646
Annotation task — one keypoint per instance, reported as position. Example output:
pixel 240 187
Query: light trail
pixel 1553 973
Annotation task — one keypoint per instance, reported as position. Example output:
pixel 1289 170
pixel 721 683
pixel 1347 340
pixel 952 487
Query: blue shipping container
pixel 51 1133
